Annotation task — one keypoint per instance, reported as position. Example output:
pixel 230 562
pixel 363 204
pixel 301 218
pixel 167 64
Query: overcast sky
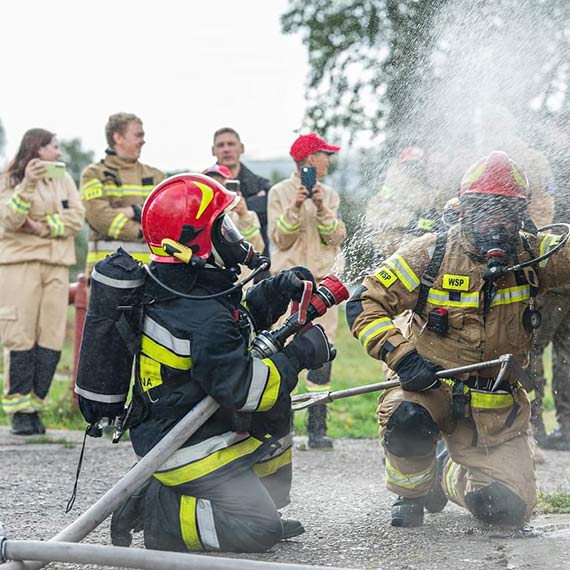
pixel 186 67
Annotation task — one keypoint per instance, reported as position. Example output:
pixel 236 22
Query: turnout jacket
pixel 106 186
pixel 459 287
pixel 302 236
pixel 193 349
pixel 54 204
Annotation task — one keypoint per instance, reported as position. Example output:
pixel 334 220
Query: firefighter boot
pixel 291 528
pixel 23 424
pixel 317 427
pixel 128 517
pixel 435 500
pixel 408 512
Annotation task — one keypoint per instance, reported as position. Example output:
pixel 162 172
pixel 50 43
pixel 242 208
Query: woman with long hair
pixel 40 213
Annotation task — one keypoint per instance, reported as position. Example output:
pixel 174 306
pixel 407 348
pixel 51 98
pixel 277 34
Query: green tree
pixel 75 157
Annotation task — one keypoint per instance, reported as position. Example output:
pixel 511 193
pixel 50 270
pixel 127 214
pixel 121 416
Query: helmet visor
pixel 229 232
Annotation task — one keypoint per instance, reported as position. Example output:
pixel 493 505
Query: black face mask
pixel 230 248
pixel 492 222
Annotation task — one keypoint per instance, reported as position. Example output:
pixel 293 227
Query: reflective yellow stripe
pixel 426 225
pixel 449 475
pixel 398 264
pixel 128 190
pixel 250 232
pixel 117 225
pixel 209 464
pixel 490 400
pixel 149 370
pixel 327 230
pixel 409 480
pixel 19 205
pixel 55 223
pixel 189 523
pixel 92 189
pixel 95 256
pixel 441 298
pixel 511 295
pixel 271 466
pixel 163 355
pixel 373 329
pixel 16 403
pixel 269 396
pixel 547 243
pixel 285 227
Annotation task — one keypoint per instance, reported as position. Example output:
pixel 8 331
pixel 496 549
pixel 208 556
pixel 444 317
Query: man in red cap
pixel 305 229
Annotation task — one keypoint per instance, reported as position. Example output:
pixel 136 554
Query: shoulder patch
pixel 386 277
pixel 455 282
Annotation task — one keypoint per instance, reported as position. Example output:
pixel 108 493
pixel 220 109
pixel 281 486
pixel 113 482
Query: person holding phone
pixel 40 213
pixel 305 228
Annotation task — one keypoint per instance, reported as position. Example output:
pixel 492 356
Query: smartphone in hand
pixel 53 169
pixel 309 178
pixel 232 185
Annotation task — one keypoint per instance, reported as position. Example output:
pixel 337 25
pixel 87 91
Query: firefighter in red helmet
pixel 471 301
pixel 212 494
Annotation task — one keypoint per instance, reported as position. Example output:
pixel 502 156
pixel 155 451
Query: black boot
pixel 317 427
pixel 46 363
pixel 23 424
pixel 435 500
pixel 128 517
pixel 408 512
pixel 291 528
pixel 39 427
pixel 559 439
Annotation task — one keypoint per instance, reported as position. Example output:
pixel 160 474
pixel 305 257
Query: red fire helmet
pixel 183 208
pixel 495 174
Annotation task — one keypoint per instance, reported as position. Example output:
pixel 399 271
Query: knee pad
pixel 496 504
pixel 410 431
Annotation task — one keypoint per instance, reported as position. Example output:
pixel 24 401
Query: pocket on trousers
pixel 494 426
pixel 9 313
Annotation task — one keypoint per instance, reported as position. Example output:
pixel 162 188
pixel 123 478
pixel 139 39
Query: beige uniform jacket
pixel 54 204
pixel 405 204
pixel 116 183
pixel 395 286
pixel 301 236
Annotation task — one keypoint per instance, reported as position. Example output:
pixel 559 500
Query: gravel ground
pixel 339 495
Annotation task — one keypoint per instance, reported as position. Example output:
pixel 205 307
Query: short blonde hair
pixel 118 123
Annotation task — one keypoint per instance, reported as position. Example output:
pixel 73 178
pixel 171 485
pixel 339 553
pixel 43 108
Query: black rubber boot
pixel 291 528
pixel 39 427
pixel 496 504
pixel 408 512
pixel 317 427
pixel 128 517
pixel 46 363
pixel 23 424
pixel 559 440
pixel 435 500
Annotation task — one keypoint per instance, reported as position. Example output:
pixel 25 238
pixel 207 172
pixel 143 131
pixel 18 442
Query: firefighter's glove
pixel 269 299
pixel 416 373
pixel 310 349
pixel 137 211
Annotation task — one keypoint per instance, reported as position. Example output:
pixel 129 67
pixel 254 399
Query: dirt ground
pixel 338 495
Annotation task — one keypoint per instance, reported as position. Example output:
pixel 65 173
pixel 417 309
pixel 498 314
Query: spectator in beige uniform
pixel 245 220
pixel 308 231
pixel 39 217
pixel 114 190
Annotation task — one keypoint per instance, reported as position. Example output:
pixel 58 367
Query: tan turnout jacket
pixel 54 204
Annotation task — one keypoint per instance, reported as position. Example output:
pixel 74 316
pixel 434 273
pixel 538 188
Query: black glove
pixel 137 211
pixel 417 374
pixel 310 349
pixel 269 299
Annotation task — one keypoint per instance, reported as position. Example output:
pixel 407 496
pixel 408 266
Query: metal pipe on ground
pixel 143 559
pixel 131 482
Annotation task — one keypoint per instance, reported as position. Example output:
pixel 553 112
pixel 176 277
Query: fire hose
pixel 330 292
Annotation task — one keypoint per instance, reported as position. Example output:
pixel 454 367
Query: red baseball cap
pixel 219 169
pixel 309 144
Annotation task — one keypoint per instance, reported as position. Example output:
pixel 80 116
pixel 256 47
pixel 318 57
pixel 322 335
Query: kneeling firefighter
pixel 220 491
pixel 471 291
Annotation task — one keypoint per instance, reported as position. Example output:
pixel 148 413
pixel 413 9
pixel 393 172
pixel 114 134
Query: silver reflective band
pixel 259 377
pixel 104 398
pixel 206 525
pixel 163 337
pixel 117 283
pixel 128 246
pixel 190 454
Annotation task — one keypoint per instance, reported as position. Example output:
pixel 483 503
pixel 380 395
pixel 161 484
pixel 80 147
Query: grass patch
pixel 554 503
pixel 350 417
